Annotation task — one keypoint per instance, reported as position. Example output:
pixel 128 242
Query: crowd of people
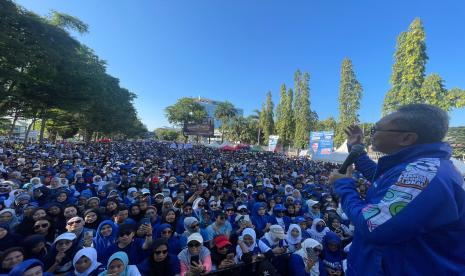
pixel 144 208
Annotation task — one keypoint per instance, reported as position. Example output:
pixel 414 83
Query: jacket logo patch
pixel 411 182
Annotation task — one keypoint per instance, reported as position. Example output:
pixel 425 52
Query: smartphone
pixel 145 221
pixel 312 255
pixel 230 256
pixel 195 259
pixel 89 234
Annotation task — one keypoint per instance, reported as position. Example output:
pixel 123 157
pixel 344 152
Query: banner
pixel 321 142
pixel 205 128
pixel 272 142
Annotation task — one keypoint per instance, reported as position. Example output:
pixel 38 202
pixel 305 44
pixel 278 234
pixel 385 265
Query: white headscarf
pixel 90 253
pixel 290 239
pixel 250 232
pixel 308 243
pixel 318 236
pixel 285 190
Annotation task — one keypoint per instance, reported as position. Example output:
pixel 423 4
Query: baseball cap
pixel 277 231
pixel 66 236
pixel 221 241
pixel 195 237
pixel 241 207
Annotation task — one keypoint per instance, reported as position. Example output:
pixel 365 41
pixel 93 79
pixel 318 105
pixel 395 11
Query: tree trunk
pixel 12 128
pixel 29 129
pixel 258 138
pixel 42 130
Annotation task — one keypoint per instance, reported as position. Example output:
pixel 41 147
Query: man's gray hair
pixel 428 121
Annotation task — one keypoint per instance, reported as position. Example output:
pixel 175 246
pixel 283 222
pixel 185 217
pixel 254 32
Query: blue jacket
pixel 412 221
pixel 296 266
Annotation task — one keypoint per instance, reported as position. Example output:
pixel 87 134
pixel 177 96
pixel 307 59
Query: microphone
pixel 353 156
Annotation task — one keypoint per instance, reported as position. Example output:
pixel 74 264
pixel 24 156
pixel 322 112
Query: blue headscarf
pixel 102 242
pixel 19 269
pixel 259 221
pixel 123 257
pixel 333 259
pixel 174 246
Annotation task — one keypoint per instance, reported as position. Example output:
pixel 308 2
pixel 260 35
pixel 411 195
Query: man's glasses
pixel 74 222
pixel 373 130
pixel 159 252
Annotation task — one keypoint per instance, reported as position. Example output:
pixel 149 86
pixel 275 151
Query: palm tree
pixel 224 112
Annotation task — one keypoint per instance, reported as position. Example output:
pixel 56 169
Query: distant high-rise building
pixel 210 107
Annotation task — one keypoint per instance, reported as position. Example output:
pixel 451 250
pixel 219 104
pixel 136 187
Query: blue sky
pixel 238 50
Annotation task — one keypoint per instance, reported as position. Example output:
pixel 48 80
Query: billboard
pixel 272 142
pixel 206 128
pixel 321 142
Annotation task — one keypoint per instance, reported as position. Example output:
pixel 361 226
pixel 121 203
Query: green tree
pixel 408 81
pixel 285 117
pixel 224 112
pixel 185 110
pixel 456 138
pixel 408 71
pixel 305 119
pixel 327 124
pixel 350 94
pixel 267 117
pixel 167 134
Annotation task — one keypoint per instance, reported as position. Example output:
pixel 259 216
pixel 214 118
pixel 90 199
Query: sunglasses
pixel 167 232
pixel 43 225
pixel 126 233
pixel 74 222
pixel 191 245
pixel 159 252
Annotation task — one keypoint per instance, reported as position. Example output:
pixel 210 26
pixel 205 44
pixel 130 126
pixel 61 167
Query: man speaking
pixel 412 220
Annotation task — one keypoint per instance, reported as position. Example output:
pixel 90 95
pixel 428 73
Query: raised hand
pixel 354 135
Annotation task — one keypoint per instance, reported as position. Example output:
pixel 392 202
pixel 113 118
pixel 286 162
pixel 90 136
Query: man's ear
pixel 408 139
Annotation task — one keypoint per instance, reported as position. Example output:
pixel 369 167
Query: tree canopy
pixel 44 71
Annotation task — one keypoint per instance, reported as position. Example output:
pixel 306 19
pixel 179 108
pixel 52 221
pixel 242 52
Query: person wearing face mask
pixel 274 241
pixel 318 230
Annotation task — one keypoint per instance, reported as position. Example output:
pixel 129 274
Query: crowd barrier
pixel 243 267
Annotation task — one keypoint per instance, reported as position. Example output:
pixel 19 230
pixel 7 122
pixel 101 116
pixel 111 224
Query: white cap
pixel 195 237
pixel 241 207
pixel 66 236
pixel 145 191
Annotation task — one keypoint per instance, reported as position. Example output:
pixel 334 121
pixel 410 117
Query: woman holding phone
pixel 195 259
pixel 304 262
